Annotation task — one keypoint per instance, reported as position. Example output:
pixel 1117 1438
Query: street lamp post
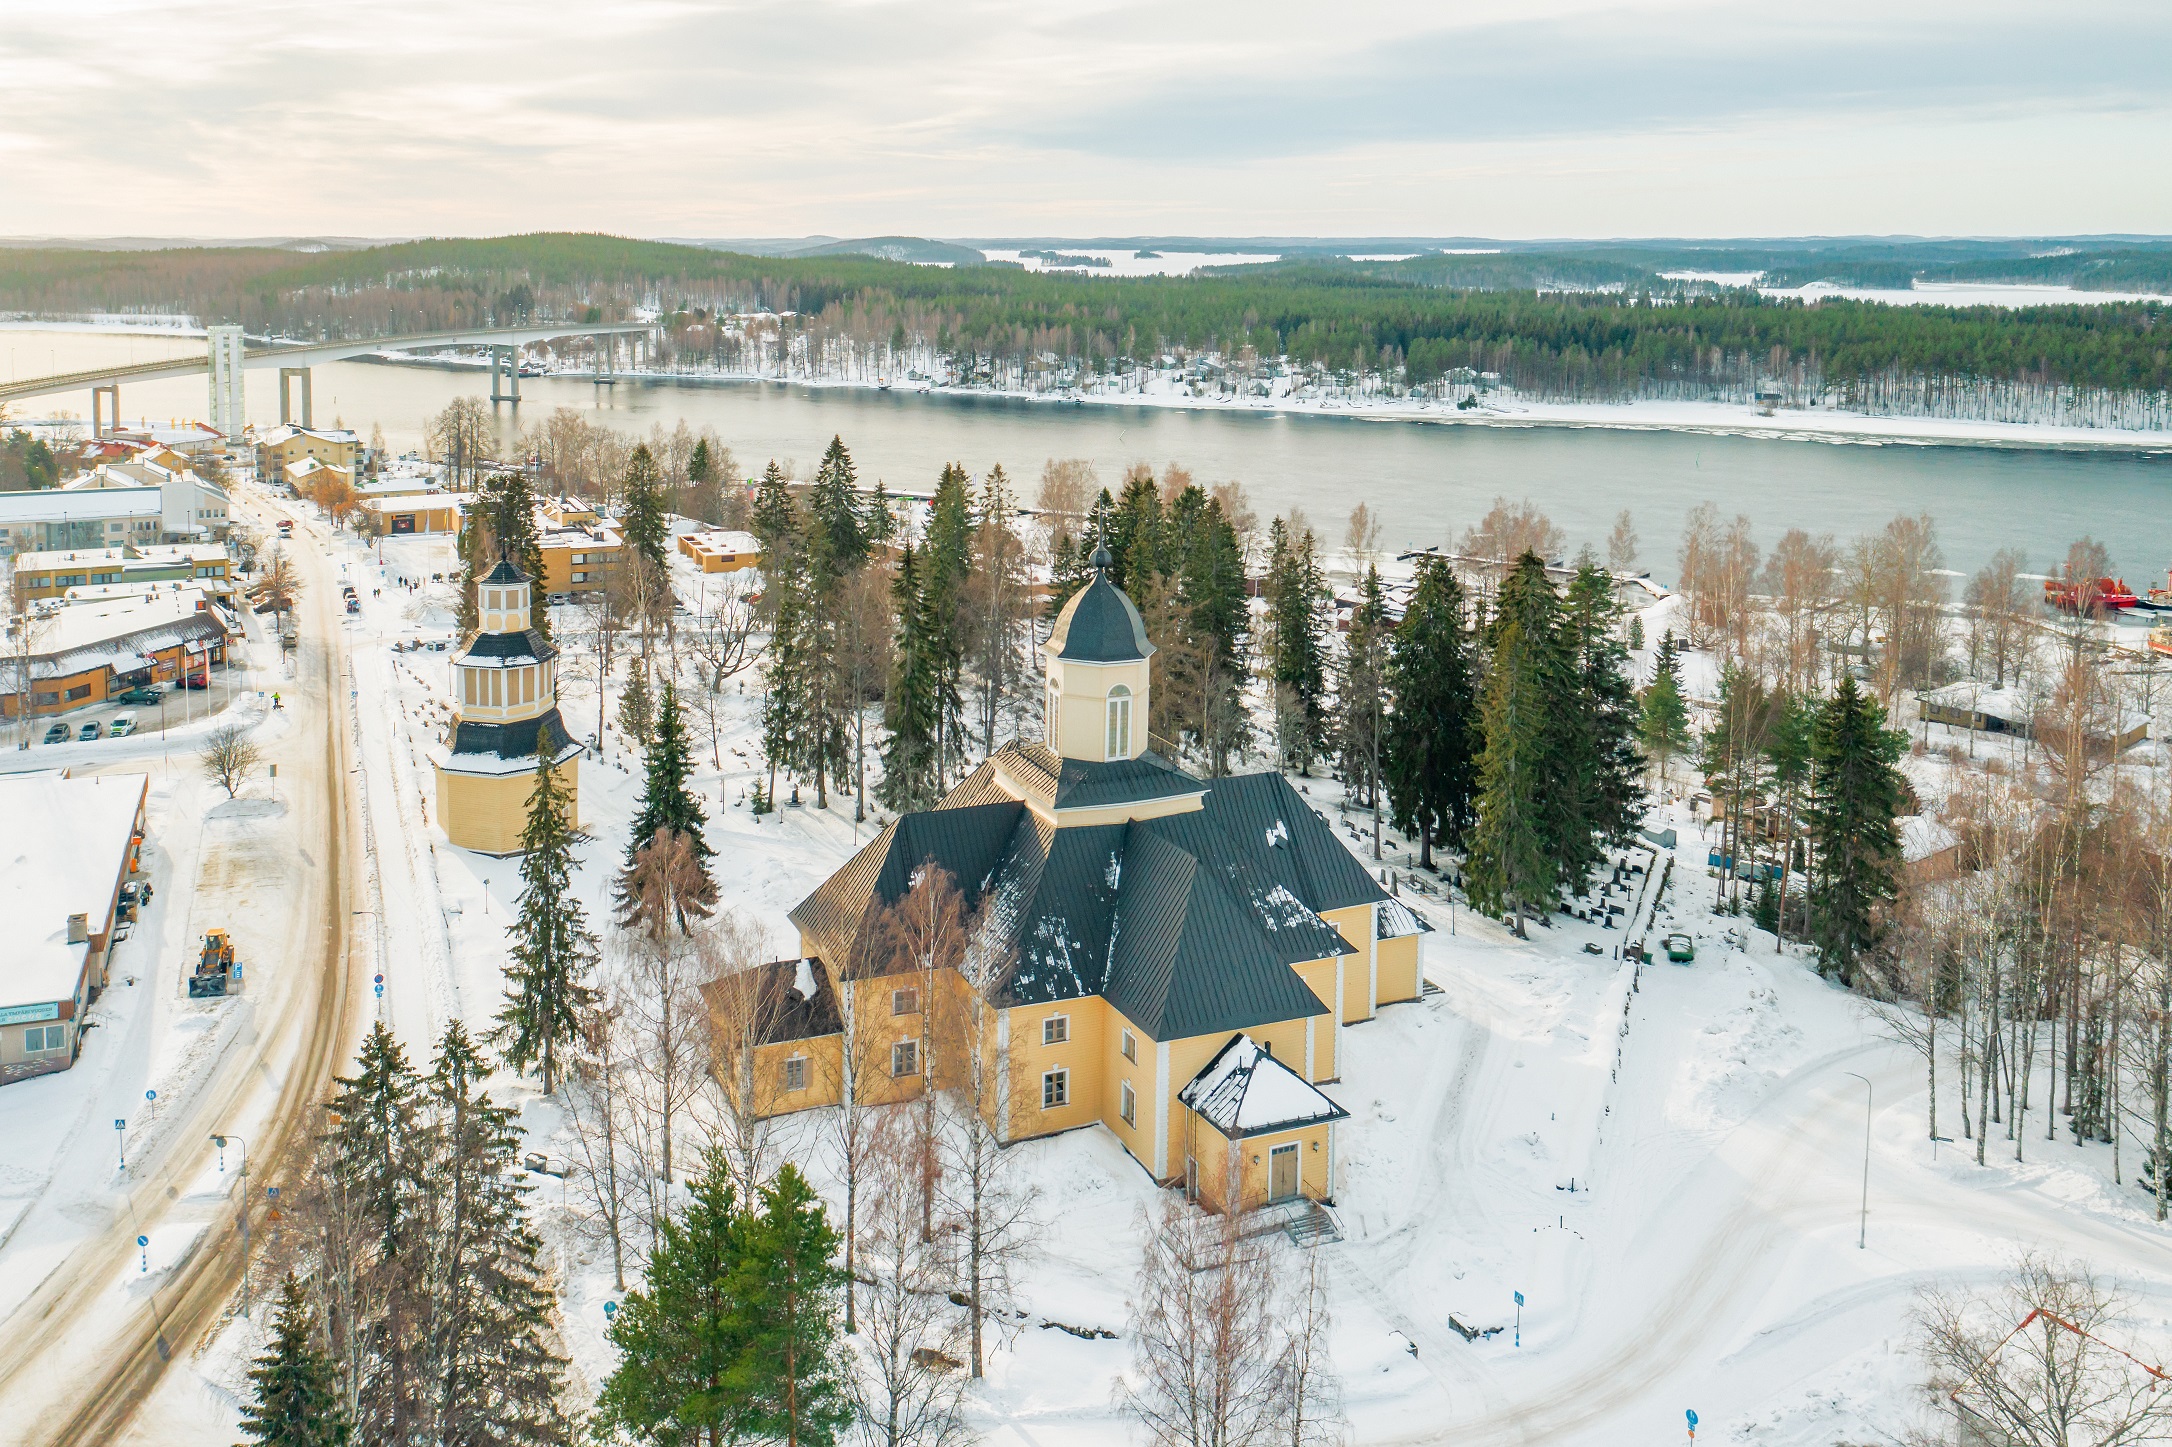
pixel 1862 1229
pixel 220 1142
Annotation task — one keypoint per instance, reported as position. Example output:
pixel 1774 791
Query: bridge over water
pixel 226 357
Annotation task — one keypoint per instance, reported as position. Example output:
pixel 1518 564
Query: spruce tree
pixel 910 706
pixel 941 623
pixel 1606 768
pixel 295 1393
pixel 1136 542
pixel 505 506
pixel 835 512
pixel 1856 792
pixel 1212 586
pixel 776 520
pixel 704 483
pixel 791 1289
pixel 642 519
pixel 1360 693
pixel 683 1372
pixel 1429 753
pixel 491 1377
pixel 1663 722
pixel 373 1163
pixel 553 949
pixel 1515 843
pixel 636 707
pixel 667 796
pixel 1296 598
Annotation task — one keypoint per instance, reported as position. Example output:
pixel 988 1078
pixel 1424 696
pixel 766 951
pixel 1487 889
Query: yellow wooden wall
pixel 489 812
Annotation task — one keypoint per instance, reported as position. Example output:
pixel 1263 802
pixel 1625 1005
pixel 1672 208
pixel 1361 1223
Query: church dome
pixel 1099 625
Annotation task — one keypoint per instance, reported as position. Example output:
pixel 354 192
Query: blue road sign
pixel 610 1308
pixel 143 1240
pixel 120 1125
pixel 150 1095
pixel 1692 1415
pixel 1519 1298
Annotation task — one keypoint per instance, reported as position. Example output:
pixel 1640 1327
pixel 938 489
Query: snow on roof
pixel 61 854
pixel 60 504
pixel 1923 837
pixel 1245 1091
pixel 726 540
pixel 146 555
pixel 1398 919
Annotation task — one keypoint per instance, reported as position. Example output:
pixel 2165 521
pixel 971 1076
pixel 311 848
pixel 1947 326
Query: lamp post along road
pixel 220 1142
pixel 1862 1229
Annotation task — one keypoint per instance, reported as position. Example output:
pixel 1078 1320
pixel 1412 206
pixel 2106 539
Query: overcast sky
pixel 1084 117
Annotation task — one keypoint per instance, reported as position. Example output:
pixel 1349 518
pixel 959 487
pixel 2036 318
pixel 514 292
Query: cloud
pixel 972 117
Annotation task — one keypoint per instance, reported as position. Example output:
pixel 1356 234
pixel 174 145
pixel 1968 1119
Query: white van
pixel 123 725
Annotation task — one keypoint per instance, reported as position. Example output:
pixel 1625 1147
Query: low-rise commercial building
pixel 70 846
pixel 721 550
pixel 85 653
pixel 579 559
pixel 189 506
pixel 46 575
pixel 412 516
pixel 58 518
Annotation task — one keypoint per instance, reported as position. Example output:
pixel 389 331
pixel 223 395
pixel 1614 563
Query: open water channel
pixel 1427 481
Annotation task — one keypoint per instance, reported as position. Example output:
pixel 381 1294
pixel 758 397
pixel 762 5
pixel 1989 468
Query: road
pixel 75 1365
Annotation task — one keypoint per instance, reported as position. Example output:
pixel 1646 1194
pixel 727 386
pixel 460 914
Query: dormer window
pixel 1119 734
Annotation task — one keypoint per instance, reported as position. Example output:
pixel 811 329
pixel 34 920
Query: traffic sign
pixel 143 1240
pixel 150 1095
pixel 1519 1298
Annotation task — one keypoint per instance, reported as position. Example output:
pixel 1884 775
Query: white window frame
pixel 1056 1030
pixel 1052 707
pixel 1127 1104
pixel 1118 734
pixel 795 1073
pixel 1131 1047
pixel 905 1001
pixel 904 1059
pixel 1055 1088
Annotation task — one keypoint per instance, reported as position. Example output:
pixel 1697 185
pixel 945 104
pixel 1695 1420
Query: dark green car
pixel 145 694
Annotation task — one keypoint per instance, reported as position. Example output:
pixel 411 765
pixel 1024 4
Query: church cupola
pixel 502 599
pixel 1098 673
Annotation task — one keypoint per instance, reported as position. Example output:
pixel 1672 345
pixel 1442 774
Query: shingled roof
pixel 1188 923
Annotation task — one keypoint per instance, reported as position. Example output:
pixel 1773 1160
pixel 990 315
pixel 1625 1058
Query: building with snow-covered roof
pixel 280 447
pixel 43 575
pixel 721 550
pixel 84 653
pixel 1167 957
pixel 69 847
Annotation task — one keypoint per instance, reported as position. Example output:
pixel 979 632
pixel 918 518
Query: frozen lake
pixel 1428 482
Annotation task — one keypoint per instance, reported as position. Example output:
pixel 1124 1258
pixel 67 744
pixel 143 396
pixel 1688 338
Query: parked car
pixel 91 730
pixel 122 726
pixel 57 734
pixel 145 694
pixel 354 605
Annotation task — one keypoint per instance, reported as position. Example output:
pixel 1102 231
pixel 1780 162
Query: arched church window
pixel 1119 722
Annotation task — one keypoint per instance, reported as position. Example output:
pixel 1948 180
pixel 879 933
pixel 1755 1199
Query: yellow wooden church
pixel 1175 957
pixel 505 699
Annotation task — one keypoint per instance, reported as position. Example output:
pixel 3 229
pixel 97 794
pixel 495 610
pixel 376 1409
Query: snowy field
pixel 1667 1161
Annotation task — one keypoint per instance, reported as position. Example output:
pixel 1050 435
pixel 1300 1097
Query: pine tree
pixel 683 1339
pixel 296 1396
pixel 1663 724
pixel 1514 845
pixel 1360 693
pixel 791 1289
pixel 667 796
pixel 642 518
pixel 910 771
pixel 1430 750
pixel 553 950
pixel 1856 792
pixel 636 708
pixel 491 1377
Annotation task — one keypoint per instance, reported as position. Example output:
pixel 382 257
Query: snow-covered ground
pixel 1126 261
pixel 1667 1161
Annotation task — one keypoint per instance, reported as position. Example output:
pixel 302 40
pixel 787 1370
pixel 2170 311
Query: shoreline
pixel 1716 419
